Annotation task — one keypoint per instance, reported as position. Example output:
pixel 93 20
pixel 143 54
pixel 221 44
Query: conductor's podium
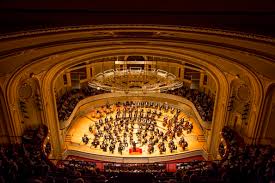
pixel 138 151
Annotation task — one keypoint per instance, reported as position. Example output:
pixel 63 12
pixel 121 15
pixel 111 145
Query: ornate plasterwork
pixel 243 93
pixel 25 91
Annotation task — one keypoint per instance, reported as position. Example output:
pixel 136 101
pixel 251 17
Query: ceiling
pixel 247 16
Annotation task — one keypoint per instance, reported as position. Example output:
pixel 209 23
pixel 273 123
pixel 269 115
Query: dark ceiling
pixel 247 16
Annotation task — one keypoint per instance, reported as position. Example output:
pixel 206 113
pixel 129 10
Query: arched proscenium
pixel 220 94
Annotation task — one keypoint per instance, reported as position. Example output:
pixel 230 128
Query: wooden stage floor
pixel 81 127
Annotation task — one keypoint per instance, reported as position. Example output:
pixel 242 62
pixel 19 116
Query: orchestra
pixel 140 121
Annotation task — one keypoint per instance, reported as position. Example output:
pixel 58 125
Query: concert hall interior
pixel 121 92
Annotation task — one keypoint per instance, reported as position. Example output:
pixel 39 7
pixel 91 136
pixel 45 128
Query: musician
pixel 131 139
pixel 103 146
pixel 132 123
pixel 138 132
pixel 161 147
pixel 189 127
pixel 100 122
pixel 159 114
pixel 141 115
pixel 166 107
pixel 117 116
pixel 106 127
pixel 179 131
pixel 150 148
pixel 160 135
pixel 172 110
pixel 169 124
pixel 156 105
pixel 85 139
pixel 130 114
pixel 124 114
pixel 165 137
pixel 106 136
pixel 112 148
pixel 91 128
pixel 172 146
pixel 142 104
pixel 156 132
pixel 144 141
pixel 135 114
pixel 172 135
pixel 156 140
pixel 151 128
pixel 151 137
pixel 125 135
pixel 100 133
pixel 165 119
pixel 125 142
pixel 120 148
pixel 97 125
pixel 144 135
pixel 107 105
pixel 183 143
pixel 161 106
pixel 95 142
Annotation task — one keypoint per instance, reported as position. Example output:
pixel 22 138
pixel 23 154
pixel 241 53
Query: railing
pixel 170 81
pixel 134 159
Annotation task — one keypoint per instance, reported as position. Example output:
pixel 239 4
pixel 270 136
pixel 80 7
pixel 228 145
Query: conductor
pixel 134 146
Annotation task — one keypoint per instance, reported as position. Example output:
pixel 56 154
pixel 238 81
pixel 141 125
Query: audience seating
pixel 26 162
pixel 67 102
pixel 203 103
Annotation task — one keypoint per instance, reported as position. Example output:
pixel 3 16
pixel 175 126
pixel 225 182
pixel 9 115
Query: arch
pixel 215 72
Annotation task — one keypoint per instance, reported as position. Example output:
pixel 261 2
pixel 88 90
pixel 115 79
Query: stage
pixel 75 147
